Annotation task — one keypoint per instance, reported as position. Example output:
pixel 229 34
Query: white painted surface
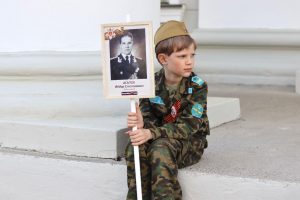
pixel 298 81
pixel 57 99
pixel 86 128
pixel 191 14
pixel 36 178
pixel 171 13
pixel 220 109
pixel 174 1
pixel 53 102
pixel 49 64
pixel 197 185
pixel 249 14
pixel 66 25
pixel 57 179
pixel 91 137
pixel 248 56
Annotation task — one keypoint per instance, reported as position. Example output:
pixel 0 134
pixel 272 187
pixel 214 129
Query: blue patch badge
pixel 190 90
pixel 157 100
pixel 198 80
pixel 197 110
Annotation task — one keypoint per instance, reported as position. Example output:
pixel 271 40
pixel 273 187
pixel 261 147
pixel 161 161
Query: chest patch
pixel 174 112
pixel 197 110
pixel 157 100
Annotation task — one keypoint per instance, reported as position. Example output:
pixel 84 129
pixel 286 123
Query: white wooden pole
pixel 136 150
pixel 136 159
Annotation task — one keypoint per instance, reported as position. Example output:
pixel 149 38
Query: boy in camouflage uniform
pixel 172 127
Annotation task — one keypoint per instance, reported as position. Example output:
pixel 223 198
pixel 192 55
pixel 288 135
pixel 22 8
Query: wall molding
pixel 248 56
pixel 248 37
pixel 50 63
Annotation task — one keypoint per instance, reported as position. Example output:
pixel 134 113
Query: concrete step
pixel 67 178
pixel 88 136
pixel 91 137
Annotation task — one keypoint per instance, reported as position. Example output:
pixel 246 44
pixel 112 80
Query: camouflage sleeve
pixel 193 119
pixel 150 120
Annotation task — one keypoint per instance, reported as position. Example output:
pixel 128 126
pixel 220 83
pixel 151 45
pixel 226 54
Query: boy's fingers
pixel 132 119
pixel 134 138
pixel 131 114
pixel 131 133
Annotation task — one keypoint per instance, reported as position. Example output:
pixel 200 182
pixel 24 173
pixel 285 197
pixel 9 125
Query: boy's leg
pixel 163 155
pixel 145 173
pixel 193 152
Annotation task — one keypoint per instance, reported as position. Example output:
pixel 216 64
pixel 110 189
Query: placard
pixel 127 54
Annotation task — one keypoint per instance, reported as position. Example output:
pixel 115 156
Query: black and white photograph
pixel 128 56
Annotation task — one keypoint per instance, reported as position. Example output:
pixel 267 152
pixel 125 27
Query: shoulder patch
pixel 157 100
pixel 197 110
pixel 198 80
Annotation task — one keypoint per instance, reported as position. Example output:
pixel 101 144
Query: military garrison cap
pixel 170 29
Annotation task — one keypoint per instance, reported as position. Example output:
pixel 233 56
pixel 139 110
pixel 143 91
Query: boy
pixel 172 127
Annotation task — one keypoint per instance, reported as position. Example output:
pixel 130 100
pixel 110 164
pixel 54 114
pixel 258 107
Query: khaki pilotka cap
pixel 170 29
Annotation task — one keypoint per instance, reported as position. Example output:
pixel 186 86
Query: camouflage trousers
pixel 160 160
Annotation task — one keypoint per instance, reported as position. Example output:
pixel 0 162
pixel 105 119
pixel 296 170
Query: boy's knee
pixel 162 144
pixel 160 150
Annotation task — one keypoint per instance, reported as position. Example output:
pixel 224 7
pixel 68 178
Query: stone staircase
pixel 251 158
pixel 73 118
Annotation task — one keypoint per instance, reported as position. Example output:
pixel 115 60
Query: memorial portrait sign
pixel 127 60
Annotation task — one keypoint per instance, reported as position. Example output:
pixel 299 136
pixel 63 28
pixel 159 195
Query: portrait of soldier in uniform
pixel 123 63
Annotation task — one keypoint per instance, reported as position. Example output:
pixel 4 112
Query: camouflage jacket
pixel 181 116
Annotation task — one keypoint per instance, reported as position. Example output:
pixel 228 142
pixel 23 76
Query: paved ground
pixel 264 144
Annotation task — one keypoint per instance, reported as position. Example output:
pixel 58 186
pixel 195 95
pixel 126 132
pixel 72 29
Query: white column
pixel 249 42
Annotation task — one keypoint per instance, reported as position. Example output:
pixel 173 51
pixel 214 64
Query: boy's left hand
pixel 135 119
pixel 139 136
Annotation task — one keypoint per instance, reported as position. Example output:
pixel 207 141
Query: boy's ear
pixel 162 58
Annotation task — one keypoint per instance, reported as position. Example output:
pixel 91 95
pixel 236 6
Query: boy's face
pixel 181 63
pixel 126 45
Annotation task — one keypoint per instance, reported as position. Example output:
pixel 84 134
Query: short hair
pixel 174 44
pixel 126 34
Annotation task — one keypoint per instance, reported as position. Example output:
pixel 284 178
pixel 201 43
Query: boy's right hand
pixel 135 119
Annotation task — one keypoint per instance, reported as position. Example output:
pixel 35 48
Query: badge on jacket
pixel 198 80
pixel 157 100
pixel 197 110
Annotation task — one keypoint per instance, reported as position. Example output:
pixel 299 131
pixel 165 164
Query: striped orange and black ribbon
pixel 174 112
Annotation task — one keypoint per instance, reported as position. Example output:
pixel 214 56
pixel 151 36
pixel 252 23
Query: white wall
pixel 65 25
pixel 191 14
pixel 50 59
pixel 249 41
pixel 249 14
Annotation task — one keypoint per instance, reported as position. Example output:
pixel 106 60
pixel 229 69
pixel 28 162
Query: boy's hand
pixel 139 136
pixel 135 119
